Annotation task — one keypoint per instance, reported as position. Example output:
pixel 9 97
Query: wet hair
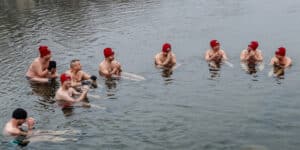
pixel 73 61
pixel 19 113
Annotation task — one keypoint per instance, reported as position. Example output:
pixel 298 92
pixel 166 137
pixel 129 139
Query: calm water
pixel 189 110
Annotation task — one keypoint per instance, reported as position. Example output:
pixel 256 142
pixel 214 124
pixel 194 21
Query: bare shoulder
pixel 157 55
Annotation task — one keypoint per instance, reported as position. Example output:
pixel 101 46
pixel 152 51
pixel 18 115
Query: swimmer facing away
pixel 79 77
pixel 42 69
pixel 280 61
pixel 67 94
pixel 109 67
pixel 166 58
pixel 215 56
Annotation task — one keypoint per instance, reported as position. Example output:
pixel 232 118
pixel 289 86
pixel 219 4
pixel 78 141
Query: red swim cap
pixel 281 51
pixel 44 50
pixel 64 77
pixel 214 43
pixel 254 45
pixel 108 52
pixel 166 47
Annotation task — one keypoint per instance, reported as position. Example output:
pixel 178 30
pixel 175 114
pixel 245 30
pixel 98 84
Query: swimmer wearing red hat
pixel 215 55
pixel 280 61
pixel 109 67
pixel 42 69
pixel 66 93
pixel 252 54
pixel 166 58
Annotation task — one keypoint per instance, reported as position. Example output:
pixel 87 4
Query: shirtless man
pixel 66 93
pixel 280 61
pixel 215 56
pixel 19 118
pixel 79 77
pixel 166 58
pixel 42 69
pixel 109 67
pixel 252 54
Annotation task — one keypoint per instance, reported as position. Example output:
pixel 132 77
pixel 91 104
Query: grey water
pixel 191 108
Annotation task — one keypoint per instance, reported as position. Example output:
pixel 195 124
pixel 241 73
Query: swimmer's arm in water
pixel 259 57
pixel 288 63
pixel 173 59
pixel 68 98
pixel 273 61
pixel 224 56
pixel 85 76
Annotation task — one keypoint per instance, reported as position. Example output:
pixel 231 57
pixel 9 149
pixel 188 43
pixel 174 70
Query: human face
pixel 21 121
pixel 77 66
pixel 165 53
pixel 216 48
pixel 47 57
pixel 67 84
pixel 279 57
pixel 111 58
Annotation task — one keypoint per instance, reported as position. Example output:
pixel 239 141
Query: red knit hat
pixel 254 45
pixel 44 50
pixel 166 47
pixel 64 77
pixel 107 52
pixel 281 51
pixel 214 43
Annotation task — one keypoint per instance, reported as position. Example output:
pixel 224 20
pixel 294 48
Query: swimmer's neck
pixel 74 71
pixel 107 61
pixel 42 60
pixel 64 88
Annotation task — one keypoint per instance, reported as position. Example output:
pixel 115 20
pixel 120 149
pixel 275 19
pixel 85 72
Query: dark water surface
pixel 189 110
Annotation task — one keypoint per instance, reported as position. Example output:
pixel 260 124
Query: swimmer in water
pixel 15 127
pixel 79 77
pixel 166 58
pixel 280 62
pixel 251 57
pixel 42 69
pixel 109 67
pixel 215 56
pixel 66 93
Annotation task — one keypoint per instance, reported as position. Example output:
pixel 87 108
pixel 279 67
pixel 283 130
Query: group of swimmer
pixel 75 83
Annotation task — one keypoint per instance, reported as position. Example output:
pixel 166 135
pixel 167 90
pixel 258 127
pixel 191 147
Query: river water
pixel 187 110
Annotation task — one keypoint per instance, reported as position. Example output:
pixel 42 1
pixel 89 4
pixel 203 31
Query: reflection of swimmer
pixel 109 67
pixel 280 62
pixel 166 59
pixel 42 69
pixel 215 56
pixel 14 126
pixel 66 93
pixel 79 77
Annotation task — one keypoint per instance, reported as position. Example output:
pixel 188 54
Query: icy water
pixel 189 109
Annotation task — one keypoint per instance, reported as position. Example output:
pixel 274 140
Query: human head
pixel 75 65
pixel 65 80
pixel 109 54
pixel 20 115
pixel 215 45
pixel 280 53
pixel 45 52
pixel 253 46
pixel 166 48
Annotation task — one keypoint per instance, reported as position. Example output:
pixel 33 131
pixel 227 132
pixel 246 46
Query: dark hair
pixel 19 113
pixel 73 61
